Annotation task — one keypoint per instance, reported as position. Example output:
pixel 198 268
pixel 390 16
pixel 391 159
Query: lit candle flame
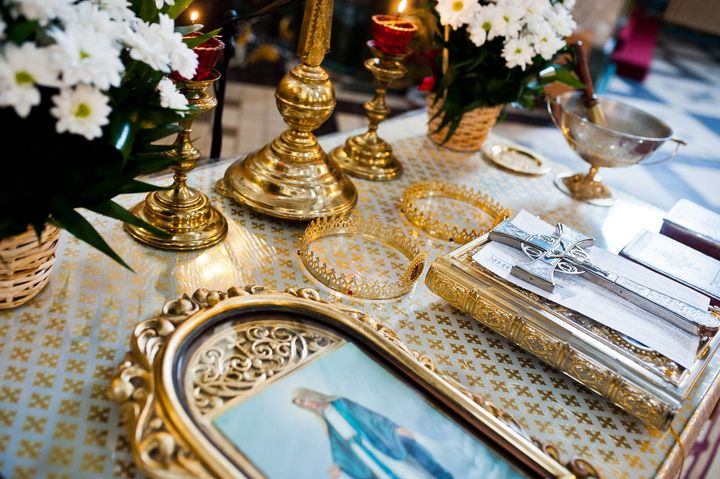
pixel 401 6
pixel 194 15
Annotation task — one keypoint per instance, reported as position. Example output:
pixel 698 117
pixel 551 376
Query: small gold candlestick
pixel 367 155
pixel 184 212
pixel 291 177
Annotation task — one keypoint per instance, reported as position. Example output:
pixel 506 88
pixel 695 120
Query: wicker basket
pixel 25 265
pixel 472 131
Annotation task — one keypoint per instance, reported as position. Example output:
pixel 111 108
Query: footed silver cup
pixel 630 137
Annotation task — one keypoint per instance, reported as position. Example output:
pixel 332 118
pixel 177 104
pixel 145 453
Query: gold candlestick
pixel 184 212
pixel 291 177
pixel 367 155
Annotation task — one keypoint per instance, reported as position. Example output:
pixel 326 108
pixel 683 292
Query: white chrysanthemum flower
pixel 518 52
pixel 3 26
pixel 22 69
pixel 44 10
pixel 82 110
pixel 545 41
pixel 533 11
pixel 507 21
pixel 117 9
pixel 85 55
pixel 170 97
pixel 182 59
pixel 560 20
pixel 148 45
pixel 89 14
pixel 481 24
pixel 457 13
pixel 161 3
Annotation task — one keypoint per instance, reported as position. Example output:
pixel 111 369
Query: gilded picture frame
pixel 206 356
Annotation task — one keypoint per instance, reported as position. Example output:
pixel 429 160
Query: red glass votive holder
pixel 392 34
pixel 208 54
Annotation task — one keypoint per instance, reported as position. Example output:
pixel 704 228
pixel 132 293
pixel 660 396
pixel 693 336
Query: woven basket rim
pixel 25 264
pixel 472 131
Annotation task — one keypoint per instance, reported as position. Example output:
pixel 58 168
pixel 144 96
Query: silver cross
pixel 565 251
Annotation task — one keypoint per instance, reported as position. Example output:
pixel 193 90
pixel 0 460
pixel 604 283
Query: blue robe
pixel 381 432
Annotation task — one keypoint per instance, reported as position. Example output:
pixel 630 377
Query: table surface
pixel 58 352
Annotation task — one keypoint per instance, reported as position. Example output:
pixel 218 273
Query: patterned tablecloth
pixel 58 352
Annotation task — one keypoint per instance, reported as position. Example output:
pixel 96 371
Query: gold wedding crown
pixel 445 230
pixel 351 284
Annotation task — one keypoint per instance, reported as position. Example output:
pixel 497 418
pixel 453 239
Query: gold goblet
pixel 630 137
pixel 367 155
pixel 292 177
pixel 183 212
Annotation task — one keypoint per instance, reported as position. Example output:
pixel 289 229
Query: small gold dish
pixel 516 159
pixel 367 231
pixel 422 215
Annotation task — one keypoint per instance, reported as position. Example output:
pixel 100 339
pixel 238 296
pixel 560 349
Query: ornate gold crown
pixel 351 284
pixel 449 231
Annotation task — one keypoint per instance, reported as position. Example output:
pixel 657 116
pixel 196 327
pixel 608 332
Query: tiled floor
pixel 250 119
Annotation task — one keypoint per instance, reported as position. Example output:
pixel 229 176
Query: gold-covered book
pixel 634 377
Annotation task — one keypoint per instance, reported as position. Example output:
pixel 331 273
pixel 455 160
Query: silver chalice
pixel 630 137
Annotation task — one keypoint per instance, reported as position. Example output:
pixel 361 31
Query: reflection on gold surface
pixel 234 261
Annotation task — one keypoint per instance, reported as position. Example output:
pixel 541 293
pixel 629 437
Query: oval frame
pixel 167 442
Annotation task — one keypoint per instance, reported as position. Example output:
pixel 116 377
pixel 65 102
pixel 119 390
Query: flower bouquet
pixel 84 94
pixel 494 52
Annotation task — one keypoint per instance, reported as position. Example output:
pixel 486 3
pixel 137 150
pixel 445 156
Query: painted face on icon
pixel 310 404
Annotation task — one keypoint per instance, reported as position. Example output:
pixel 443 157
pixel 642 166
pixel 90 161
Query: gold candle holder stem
pixel 367 155
pixel 183 212
pixel 591 174
pixel 292 177
pixel 376 109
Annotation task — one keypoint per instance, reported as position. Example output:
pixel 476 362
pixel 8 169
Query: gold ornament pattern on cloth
pixel 59 351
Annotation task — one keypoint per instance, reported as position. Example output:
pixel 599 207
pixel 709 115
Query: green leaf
pixel 565 76
pixel 192 42
pixel 145 9
pixel 188 29
pixel 76 224
pixel 113 210
pixel 150 163
pixel 152 149
pixel 177 8
pixel 137 186
pixel 121 134
pixel 149 135
pixel 18 32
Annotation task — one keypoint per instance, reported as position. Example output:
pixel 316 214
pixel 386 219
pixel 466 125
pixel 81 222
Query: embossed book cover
pixel 631 374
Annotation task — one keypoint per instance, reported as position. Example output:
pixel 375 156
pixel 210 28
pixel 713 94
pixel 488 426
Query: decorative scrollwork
pixel 249 354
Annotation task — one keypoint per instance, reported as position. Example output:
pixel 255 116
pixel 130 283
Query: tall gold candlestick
pixel 184 212
pixel 367 155
pixel 292 177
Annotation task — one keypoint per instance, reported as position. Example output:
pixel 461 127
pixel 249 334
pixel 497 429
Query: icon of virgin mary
pixel 368 445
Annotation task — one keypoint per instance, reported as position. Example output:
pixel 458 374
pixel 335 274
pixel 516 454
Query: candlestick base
pixel 367 155
pixel 291 177
pixel 184 213
pixel 192 223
